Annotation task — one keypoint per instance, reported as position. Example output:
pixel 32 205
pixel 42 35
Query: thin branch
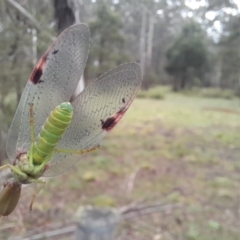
pixel 132 211
pixel 145 210
pixel 131 206
pixel 49 234
pixel 24 12
pixel 131 181
pixel 30 17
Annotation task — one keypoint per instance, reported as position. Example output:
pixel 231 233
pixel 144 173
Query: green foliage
pixel 177 145
pixel 230 54
pixel 16 56
pixel 103 201
pixel 169 145
pixel 217 93
pixel 193 232
pixel 222 182
pixel 213 224
pixel 107 41
pixel 89 176
pixel 210 93
pixel 187 58
pixel 154 93
pixel 152 78
pixel 103 162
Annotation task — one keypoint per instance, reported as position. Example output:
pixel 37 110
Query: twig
pixel 30 17
pixel 49 234
pixel 130 183
pixel 24 12
pixel 131 206
pixel 144 210
pixel 131 211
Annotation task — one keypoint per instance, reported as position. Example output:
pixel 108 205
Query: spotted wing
pixel 52 82
pixel 96 111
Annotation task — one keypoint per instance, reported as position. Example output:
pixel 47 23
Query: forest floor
pixel 178 150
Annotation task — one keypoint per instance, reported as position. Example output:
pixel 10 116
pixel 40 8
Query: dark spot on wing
pixel 55 51
pixel 36 75
pixel 102 121
pixel 108 124
pixel 38 70
pixel 40 81
pixel 123 100
pixel 111 122
pixel 46 168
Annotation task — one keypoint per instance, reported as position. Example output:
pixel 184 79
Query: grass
pixel 211 93
pixel 154 93
pixel 183 149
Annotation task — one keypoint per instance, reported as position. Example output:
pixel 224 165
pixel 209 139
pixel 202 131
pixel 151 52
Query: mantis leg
pixel 31 121
pixel 76 151
pixel 5 166
pixel 16 170
pixel 40 168
pixel 42 182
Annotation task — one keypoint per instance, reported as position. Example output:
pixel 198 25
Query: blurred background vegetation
pixel 189 51
pixel 183 43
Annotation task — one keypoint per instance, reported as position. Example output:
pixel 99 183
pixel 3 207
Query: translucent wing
pixel 52 82
pixel 96 111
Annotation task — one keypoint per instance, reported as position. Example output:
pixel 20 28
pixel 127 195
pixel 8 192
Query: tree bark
pixel 75 6
pixel 183 81
pixel 175 84
pixel 147 80
pixel 142 41
pixel 150 42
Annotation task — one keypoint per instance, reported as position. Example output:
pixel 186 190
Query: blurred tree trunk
pixel 142 41
pixel 67 12
pixel 101 56
pixel 147 82
pixel 63 15
pixel 150 42
pixel 183 81
pixel 17 53
pixel 34 46
pixel 75 6
pixel 215 75
pixel 2 148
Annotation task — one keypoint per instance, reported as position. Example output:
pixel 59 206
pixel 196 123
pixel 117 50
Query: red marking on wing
pixel 38 70
pixel 111 122
pixel 18 155
pixel 46 167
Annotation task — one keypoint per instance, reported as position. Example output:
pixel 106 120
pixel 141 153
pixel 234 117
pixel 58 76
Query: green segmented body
pixel 51 132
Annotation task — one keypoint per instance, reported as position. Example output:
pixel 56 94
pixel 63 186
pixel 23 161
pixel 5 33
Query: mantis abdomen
pixel 51 132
